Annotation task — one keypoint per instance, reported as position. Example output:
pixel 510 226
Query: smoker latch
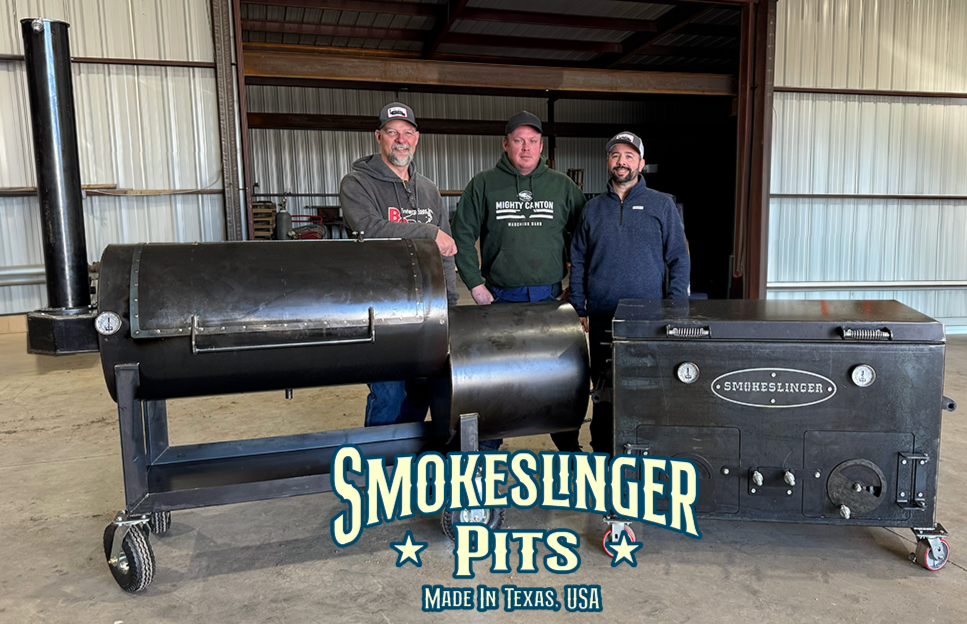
pixel 911 482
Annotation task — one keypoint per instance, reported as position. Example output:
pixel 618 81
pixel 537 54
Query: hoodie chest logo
pixel 525 196
pixel 409 215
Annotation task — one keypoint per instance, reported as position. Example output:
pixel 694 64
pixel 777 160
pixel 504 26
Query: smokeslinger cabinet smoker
pixel 793 411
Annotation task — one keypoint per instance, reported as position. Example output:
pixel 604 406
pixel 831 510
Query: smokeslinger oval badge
pixel 773 387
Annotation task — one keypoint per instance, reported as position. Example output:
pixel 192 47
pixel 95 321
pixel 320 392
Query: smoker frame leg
pixel 135 453
pixel 493 518
pixel 469 433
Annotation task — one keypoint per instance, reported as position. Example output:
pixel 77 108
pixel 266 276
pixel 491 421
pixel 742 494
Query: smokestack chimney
pixel 66 325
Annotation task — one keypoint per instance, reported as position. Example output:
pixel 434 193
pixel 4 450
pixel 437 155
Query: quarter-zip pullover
pixel 621 247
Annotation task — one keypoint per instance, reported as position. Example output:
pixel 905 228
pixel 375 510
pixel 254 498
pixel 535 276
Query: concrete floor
pixel 60 484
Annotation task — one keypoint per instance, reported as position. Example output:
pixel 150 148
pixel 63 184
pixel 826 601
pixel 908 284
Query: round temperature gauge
pixel 863 375
pixel 687 372
pixel 107 323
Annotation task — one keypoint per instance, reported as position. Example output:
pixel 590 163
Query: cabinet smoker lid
pixel 770 319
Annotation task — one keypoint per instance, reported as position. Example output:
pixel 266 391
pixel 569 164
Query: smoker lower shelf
pixel 220 473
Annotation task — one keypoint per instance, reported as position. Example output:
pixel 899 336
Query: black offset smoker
pixel 179 320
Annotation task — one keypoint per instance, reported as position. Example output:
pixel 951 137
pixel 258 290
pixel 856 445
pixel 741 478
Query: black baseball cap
pixel 396 110
pixel 523 118
pixel 629 138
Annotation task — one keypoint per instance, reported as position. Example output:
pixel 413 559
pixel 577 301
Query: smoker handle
pixel 687 331
pixel 863 333
pixel 949 404
pixel 370 337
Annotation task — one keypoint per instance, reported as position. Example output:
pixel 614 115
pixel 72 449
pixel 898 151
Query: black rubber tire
pixel 139 559
pixel 495 520
pixel 160 522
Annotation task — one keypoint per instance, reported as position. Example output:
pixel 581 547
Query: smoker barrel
pixel 47 56
pixel 217 318
pixel 523 368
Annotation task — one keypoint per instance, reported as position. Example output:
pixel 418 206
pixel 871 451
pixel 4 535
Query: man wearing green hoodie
pixel 523 213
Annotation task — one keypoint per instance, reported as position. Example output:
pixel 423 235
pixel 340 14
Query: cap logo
pixel 625 137
pixel 396 111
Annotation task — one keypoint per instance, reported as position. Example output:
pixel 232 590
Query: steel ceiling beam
pixel 442 27
pixel 332 67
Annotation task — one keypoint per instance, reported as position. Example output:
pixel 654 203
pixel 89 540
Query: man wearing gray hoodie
pixel 386 197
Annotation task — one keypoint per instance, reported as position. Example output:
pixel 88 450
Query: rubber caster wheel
pixel 607 534
pixel 134 569
pixel 928 559
pixel 159 522
pixel 493 518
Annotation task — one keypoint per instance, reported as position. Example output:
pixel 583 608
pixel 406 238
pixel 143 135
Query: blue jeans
pixel 392 402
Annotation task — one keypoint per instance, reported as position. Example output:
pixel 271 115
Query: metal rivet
pixel 922 462
pixel 919 494
pixel 37 25
pixel 788 492
pixel 725 470
pixel 818 474
pixel 903 494
pixel 903 461
pixel 752 490
pixel 772 401
pixel 773 374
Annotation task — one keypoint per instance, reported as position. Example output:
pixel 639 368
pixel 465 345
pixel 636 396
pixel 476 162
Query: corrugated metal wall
pixel 140 127
pixel 871 144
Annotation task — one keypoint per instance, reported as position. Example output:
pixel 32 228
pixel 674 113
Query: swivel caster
pixel 160 522
pixel 132 565
pixel 613 535
pixel 932 556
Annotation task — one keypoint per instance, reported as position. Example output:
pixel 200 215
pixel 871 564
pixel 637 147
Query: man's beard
pixel 618 178
pixel 401 158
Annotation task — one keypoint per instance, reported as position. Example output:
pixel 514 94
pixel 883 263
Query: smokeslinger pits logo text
pixel 625 485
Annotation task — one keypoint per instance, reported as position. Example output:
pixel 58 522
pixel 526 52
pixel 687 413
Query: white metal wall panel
pixel 871 145
pixel 900 45
pixel 864 240
pixel 173 30
pixel 139 127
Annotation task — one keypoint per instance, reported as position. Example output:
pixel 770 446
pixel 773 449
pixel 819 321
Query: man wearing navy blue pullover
pixel 624 240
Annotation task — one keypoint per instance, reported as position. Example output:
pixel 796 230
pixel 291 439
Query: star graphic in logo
pixel 409 550
pixel 623 550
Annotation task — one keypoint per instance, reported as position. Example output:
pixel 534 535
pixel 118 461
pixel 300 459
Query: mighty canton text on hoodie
pixel 621 248
pixel 378 203
pixel 523 223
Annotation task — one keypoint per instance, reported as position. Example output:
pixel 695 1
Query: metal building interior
pixel 816 148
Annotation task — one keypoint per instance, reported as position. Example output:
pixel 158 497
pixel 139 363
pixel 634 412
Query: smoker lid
pixel 770 319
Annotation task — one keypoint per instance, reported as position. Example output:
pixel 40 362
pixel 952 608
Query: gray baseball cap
pixel 523 118
pixel 396 110
pixel 628 138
